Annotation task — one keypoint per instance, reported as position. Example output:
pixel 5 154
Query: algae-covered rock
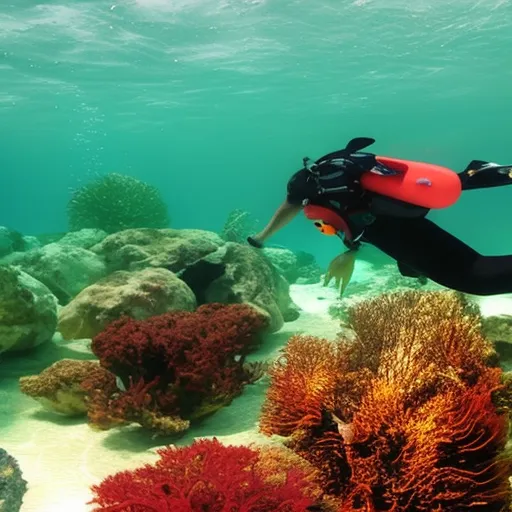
pixel 58 387
pixel 285 262
pixel 28 311
pixel 173 249
pixel 5 241
pixel 308 268
pixel 10 241
pixel 498 328
pixel 139 294
pixel 64 269
pixel 30 243
pixel 85 238
pixel 12 484
pixel 300 268
pixel 240 274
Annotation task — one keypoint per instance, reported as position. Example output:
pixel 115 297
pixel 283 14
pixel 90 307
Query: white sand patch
pixel 495 305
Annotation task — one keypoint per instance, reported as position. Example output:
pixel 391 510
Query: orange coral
pixel 444 455
pixel 402 419
pixel 427 329
pixel 303 379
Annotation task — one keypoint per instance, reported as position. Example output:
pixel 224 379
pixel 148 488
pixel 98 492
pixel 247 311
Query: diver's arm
pixel 284 214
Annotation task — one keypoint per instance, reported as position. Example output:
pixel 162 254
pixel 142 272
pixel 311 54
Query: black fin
pixel 482 174
pixel 352 147
pixel 474 165
pixel 358 144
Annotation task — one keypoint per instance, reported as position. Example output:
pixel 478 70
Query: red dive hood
pixel 327 221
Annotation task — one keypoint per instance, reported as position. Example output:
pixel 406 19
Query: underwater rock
pixel 50 238
pixel 64 269
pixel 10 241
pixel 85 238
pixel 308 268
pixel 248 277
pixel 141 294
pixel 498 328
pixel 28 311
pixel 12 485
pixel 5 241
pixel 58 387
pixel 173 249
pixel 285 262
pixel 31 242
pixel 300 268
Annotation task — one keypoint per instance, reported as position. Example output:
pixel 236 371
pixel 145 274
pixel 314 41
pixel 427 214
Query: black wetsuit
pixel 420 247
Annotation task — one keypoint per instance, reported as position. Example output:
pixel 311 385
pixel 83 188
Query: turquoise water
pixel 216 102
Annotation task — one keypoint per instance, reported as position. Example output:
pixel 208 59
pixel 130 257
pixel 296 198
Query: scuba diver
pixel 364 198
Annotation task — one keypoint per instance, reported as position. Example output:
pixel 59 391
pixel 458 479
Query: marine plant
pixel 209 476
pixel 116 202
pixel 238 226
pixel 176 367
pixel 403 418
pixel 12 484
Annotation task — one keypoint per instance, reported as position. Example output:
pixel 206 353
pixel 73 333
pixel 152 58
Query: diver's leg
pixel 443 258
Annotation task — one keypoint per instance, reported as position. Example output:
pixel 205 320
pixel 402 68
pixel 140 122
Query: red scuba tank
pixel 418 183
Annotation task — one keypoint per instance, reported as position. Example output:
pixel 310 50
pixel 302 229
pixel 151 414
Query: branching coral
pixel 405 332
pixel 406 419
pixel 208 476
pixel 444 455
pixel 177 367
pixel 303 380
pixel 116 202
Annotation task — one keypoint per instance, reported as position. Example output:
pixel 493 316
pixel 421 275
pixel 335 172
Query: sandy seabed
pixel 61 457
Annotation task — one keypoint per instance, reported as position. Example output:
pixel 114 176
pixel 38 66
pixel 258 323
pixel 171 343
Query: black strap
pixel 254 242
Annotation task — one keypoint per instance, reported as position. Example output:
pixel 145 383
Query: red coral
pixel 206 477
pixel 180 364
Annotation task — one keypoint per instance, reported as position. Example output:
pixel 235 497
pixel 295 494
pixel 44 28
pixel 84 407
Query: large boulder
pixel 10 241
pixel 173 249
pixel 237 273
pixel 84 238
pixel 285 262
pixel 28 311
pixel 139 294
pixel 65 269
pixel 300 267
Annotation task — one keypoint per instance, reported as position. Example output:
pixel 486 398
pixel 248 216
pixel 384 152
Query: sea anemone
pixel 116 202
